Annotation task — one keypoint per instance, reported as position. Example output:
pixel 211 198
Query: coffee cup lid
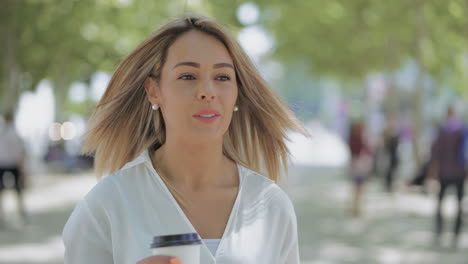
pixel 176 240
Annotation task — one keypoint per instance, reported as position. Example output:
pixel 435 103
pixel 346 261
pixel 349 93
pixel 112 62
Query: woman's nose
pixel 206 91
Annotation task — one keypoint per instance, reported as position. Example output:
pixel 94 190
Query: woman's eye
pixel 187 77
pixel 223 78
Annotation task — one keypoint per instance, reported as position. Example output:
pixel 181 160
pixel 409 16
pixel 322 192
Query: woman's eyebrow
pixel 187 63
pixel 223 64
pixel 197 65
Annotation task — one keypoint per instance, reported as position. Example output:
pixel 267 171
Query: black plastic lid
pixel 176 240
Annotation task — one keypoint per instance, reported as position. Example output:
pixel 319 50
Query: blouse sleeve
pixel 85 237
pixel 290 246
pixel 291 243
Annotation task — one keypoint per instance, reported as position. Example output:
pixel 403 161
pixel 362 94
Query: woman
pixel 183 125
pixel 361 162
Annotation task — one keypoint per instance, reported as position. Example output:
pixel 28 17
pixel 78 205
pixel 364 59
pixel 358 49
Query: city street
pixel 394 228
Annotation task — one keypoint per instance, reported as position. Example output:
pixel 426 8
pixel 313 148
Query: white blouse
pixel 116 221
pixel 212 245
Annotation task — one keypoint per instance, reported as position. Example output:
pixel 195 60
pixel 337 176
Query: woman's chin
pixel 203 135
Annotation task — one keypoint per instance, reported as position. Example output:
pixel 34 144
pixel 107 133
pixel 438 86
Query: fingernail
pixel 176 261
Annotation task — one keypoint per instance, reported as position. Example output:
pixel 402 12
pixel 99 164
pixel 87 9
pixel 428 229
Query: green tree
pixel 65 41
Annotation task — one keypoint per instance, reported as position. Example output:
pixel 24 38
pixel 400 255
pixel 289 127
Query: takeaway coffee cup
pixel 184 246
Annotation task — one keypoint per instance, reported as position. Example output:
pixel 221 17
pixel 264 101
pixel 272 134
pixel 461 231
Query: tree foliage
pixel 349 39
pixel 65 41
pixel 69 40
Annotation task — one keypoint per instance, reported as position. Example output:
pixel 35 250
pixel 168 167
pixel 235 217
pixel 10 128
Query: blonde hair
pixel 123 123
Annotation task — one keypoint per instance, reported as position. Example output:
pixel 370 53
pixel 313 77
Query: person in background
pixel 391 140
pixel 12 162
pixel 449 162
pixel 360 165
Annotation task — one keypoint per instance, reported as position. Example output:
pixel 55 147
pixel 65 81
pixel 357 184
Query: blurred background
pixel 379 73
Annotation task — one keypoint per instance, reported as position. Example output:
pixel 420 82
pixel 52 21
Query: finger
pixel 175 261
pixel 160 260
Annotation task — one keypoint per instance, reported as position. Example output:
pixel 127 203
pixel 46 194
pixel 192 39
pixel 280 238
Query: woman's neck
pixel 193 166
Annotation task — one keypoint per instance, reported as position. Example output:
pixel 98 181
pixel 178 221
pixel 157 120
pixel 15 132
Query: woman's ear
pixel 152 90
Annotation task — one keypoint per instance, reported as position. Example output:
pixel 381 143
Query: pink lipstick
pixel 207 115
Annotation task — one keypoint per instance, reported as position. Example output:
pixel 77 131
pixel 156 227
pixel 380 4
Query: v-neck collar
pixel 232 215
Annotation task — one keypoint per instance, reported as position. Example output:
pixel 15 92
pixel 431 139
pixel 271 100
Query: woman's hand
pixel 160 260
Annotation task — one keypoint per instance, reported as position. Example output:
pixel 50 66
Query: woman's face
pixel 197 90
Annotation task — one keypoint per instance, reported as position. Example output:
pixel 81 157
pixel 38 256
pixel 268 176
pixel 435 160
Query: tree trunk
pixel 418 95
pixel 11 70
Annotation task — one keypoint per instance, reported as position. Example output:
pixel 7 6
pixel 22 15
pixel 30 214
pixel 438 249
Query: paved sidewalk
pixel 49 204
pixel 394 230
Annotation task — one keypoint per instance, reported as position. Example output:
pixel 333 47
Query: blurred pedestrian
pixel 422 174
pixel 12 162
pixel 360 165
pixel 185 123
pixel 449 160
pixel 391 140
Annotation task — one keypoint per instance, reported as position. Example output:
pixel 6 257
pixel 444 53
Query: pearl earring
pixel 236 108
pixel 155 107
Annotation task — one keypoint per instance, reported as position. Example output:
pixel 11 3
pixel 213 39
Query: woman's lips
pixel 207 119
pixel 207 115
pixel 207 112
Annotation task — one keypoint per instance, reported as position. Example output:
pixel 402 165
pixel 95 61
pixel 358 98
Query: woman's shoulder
pixel 254 178
pixel 104 190
pixel 116 186
pixel 258 187
pixel 111 195
pixel 124 181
